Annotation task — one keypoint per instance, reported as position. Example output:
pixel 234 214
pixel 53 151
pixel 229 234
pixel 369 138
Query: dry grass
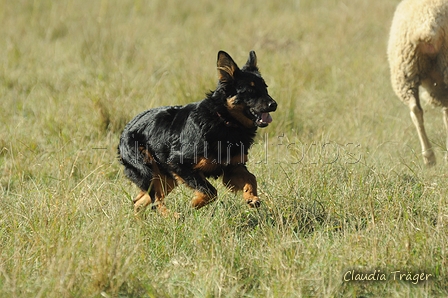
pixel 343 183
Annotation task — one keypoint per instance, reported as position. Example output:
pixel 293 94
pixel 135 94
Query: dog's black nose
pixel 272 106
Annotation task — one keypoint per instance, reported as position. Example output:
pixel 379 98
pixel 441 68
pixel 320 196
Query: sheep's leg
pixel 445 121
pixel 417 118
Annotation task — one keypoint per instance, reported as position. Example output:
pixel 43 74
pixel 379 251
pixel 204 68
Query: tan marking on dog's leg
pixel 163 185
pixel 239 178
pixel 139 196
pixel 206 165
pixel 202 199
pixel 445 121
pixel 417 118
pixel 141 201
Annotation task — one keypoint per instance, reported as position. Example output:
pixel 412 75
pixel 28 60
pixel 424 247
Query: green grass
pixel 342 180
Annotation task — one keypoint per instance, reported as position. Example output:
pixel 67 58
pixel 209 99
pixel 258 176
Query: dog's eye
pixel 251 91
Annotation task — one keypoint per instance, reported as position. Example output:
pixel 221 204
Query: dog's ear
pixel 227 68
pixel 251 64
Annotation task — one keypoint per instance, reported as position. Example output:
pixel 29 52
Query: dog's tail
pixel 135 163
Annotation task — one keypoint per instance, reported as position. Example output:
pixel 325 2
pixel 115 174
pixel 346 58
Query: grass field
pixel 345 193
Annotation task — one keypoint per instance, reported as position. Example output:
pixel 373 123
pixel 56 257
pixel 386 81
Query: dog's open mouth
pixel 261 119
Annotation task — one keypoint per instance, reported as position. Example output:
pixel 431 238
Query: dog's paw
pixel 253 202
pixel 141 201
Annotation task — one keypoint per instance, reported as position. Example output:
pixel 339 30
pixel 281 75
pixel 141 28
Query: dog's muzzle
pixel 263 118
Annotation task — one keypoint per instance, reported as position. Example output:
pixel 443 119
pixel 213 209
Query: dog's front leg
pixel 237 177
pixel 205 192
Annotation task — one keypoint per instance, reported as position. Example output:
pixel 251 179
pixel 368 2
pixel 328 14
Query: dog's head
pixel 247 98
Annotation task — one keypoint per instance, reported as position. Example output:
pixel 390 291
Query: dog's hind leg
pixel 154 188
pixel 161 187
pixel 237 177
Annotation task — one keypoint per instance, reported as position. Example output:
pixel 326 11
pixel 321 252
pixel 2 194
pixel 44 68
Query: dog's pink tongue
pixel 266 118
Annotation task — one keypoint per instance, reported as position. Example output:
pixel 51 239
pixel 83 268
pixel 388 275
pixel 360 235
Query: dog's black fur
pixel 164 146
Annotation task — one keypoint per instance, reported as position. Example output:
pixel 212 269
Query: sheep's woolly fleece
pixel 418 42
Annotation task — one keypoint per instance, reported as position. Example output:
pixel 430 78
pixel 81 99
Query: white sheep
pixel 418 59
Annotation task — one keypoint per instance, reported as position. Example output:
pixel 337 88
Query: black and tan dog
pixel 165 146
